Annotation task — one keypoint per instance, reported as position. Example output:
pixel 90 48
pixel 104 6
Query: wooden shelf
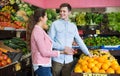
pixel 109 33
pixel 7 34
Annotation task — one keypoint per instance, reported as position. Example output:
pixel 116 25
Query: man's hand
pixel 90 55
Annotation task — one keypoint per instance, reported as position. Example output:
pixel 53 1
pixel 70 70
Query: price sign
pixel 90 74
pixel 97 31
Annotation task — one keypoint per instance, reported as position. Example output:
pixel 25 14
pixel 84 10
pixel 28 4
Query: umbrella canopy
pixel 74 3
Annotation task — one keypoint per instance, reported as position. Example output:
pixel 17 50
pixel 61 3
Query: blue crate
pixel 93 47
pixel 89 47
pixel 116 47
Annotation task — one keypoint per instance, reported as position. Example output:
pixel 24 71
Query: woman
pixel 41 44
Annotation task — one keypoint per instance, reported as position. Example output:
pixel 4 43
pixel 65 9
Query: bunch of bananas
pixel 80 19
pixel 99 53
pixel 8 9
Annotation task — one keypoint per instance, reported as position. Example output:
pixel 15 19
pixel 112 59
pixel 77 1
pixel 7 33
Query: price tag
pixel 90 74
pixel 86 74
pixel 18 67
pixel 80 32
pixel 97 31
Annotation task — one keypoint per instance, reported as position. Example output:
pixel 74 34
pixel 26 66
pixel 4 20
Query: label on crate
pixel 90 74
pixel 18 67
pixel 97 31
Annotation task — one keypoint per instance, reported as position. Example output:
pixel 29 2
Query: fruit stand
pixel 14 62
pixel 94 27
pixel 15 58
pixel 103 63
pixel 17 68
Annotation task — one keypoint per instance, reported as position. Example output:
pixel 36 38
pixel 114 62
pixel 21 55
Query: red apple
pixel 1 57
pixel 3 63
pixel 5 56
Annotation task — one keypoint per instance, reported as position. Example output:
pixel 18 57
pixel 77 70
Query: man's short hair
pixel 66 5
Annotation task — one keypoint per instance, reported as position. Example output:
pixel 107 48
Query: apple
pixel 5 56
pixel 3 63
pixel 1 57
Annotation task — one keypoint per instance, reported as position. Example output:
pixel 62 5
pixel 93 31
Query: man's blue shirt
pixel 63 33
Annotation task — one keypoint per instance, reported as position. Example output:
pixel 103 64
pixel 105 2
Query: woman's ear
pixel 40 18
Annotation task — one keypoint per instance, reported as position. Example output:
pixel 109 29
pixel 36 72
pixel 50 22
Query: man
pixel 63 33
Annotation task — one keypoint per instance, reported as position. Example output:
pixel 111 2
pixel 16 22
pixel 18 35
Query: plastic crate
pixel 9 70
pixel 117 47
pixel 89 47
pixel 18 68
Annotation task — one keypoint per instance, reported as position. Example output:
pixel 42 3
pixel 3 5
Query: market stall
pixel 99 30
pixel 15 58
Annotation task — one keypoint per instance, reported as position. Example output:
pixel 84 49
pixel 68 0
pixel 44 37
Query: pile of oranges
pixel 102 63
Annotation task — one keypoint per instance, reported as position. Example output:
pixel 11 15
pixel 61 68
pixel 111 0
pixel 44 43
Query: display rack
pixel 7 34
pixel 18 68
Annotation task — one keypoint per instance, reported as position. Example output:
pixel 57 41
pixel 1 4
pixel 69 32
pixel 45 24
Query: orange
pixel 107 62
pixel 84 68
pixel 110 70
pixel 118 70
pixel 87 71
pixel 78 70
pixel 100 59
pixel 95 70
pixel 98 65
pixel 95 57
pixel 90 60
pixel 105 57
pixel 80 60
pixel 105 66
pixel 114 66
pixel 91 65
pixel 86 58
pixel 101 71
pixel 77 65
pixel 83 63
pixel 95 62
pixel 115 62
